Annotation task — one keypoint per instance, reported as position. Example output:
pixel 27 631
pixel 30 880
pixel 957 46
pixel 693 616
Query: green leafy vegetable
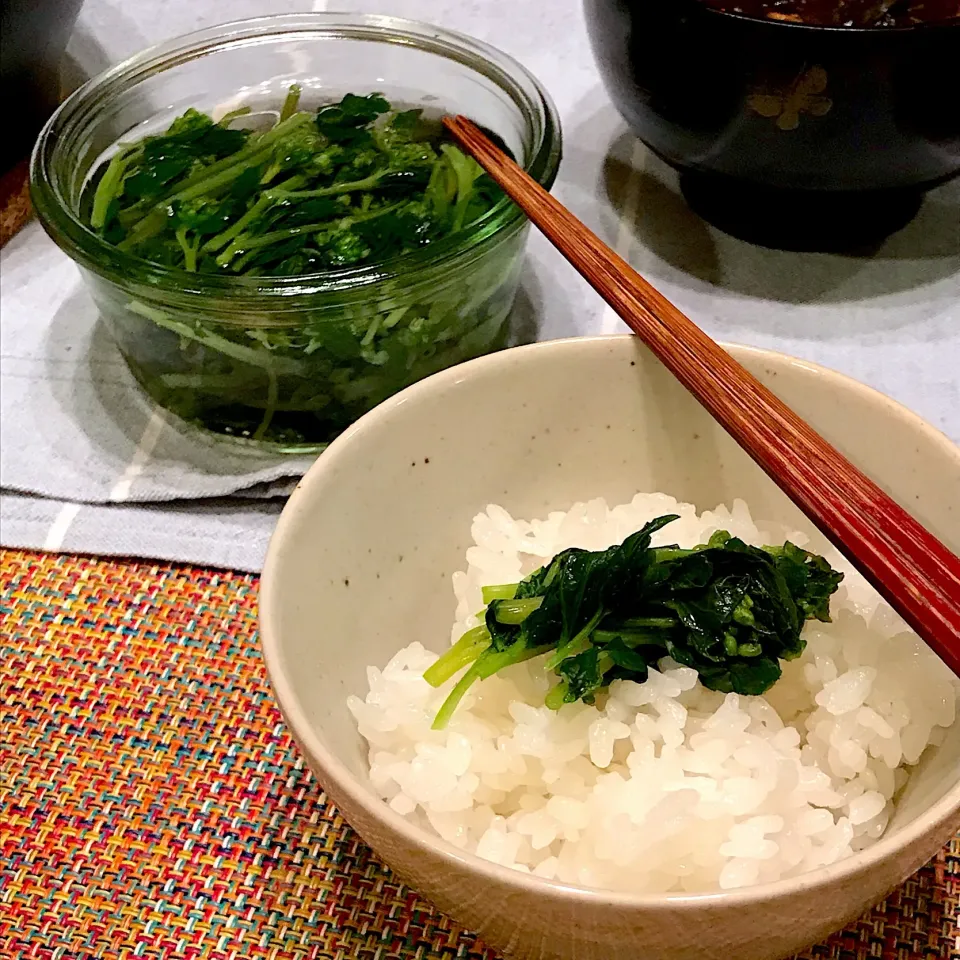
pixel 240 190
pixel 727 609
pixel 351 183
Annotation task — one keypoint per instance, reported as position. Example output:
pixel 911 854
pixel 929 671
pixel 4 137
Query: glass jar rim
pixel 91 251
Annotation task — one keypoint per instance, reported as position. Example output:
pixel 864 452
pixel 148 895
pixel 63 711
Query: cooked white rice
pixel 665 786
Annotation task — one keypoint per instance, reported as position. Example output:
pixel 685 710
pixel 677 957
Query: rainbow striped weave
pixel 152 804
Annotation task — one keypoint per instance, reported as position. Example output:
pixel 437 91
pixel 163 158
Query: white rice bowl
pixel 663 786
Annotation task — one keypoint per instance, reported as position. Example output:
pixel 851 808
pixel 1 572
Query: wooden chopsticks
pixel 906 563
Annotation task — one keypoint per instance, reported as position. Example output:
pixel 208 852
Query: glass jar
pixel 292 361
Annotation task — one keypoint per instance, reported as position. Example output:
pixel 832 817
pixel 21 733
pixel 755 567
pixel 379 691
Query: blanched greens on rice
pixel 729 610
pixel 665 784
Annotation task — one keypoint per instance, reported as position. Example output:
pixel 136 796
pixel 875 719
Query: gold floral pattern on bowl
pixel 804 94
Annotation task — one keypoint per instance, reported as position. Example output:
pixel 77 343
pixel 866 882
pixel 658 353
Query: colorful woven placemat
pixel 152 804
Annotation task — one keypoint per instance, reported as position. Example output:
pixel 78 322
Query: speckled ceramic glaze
pixel 360 566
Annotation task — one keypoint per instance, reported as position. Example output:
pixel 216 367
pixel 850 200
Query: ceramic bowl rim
pixel 343 781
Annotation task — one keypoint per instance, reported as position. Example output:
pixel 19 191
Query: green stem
pixel 271 406
pixel 154 222
pixel 251 150
pixel 450 705
pixel 110 183
pixel 394 317
pixel 658 623
pixel 514 612
pixel 372 330
pixel 130 215
pixel 334 190
pixel 437 191
pixel 506 591
pixel 463 652
pixel 632 638
pixel 147 227
pixel 494 661
pixel 245 243
pixel 661 554
pixel 243 261
pixel 552 574
pixel 261 206
pixel 576 644
pixel 280 365
pixel 290 103
pixel 216 176
pixel 189 249
pixel 232 115
pixel 271 171
pixel 218 181
pixel 220 384
pixel 466 170
pixel 557 697
pixel 489 663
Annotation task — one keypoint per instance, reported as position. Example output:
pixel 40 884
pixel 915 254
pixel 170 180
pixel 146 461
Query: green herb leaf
pixel 346 122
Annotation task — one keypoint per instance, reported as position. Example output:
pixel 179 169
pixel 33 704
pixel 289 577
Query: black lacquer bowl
pixel 786 134
pixel 33 36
